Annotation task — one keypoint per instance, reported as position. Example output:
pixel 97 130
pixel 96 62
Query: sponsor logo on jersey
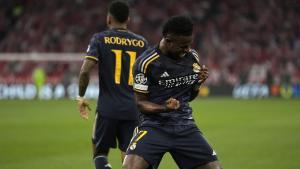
pixel 108 166
pixel 165 74
pixel 179 81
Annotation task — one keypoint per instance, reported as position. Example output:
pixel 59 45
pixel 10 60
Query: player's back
pixel 118 51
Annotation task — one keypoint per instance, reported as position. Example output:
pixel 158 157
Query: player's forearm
pixel 84 78
pixel 195 91
pixel 147 107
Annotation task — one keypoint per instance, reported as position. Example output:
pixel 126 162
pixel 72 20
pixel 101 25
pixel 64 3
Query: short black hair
pixel 119 10
pixel 178 25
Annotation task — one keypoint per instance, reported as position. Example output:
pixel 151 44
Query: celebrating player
pixel 167 78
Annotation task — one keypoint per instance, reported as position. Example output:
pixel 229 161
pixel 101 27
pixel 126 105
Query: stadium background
pixel 249 108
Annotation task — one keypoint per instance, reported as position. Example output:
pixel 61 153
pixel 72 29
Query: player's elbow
pixel 84 72
pixel 144 108
pixel 84 75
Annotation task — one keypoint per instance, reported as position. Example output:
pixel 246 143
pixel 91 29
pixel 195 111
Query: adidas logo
pixel 108 166
pixel 165 74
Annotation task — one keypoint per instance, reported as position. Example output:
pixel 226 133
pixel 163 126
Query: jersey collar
pixel 120 29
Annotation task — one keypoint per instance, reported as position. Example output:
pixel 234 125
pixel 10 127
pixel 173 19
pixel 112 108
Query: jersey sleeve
pixel 141 81
pixel 93 51
pixel 196 55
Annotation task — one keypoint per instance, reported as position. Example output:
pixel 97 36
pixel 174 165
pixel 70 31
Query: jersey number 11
pixel 118 67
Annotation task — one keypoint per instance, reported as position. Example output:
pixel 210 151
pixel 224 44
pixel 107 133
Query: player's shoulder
pixel 137 36
pixel 121 32
pixel 107 32
pixel 103 33
pixel 194 54
pixel 148 54
pixel 148 57
pixel 98 36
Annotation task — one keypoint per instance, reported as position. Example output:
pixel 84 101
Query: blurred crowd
pixel 241 41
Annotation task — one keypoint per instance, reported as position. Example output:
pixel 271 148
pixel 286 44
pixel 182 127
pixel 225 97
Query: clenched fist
pixel 172 104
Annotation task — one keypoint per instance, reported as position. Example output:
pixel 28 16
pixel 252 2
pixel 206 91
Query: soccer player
pixel 115 51
pixel 167 77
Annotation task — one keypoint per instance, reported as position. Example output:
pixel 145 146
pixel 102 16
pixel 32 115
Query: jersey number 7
pixel 118 67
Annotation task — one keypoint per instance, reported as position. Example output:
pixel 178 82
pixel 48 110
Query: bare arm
pixel 147 107
pixel 84 78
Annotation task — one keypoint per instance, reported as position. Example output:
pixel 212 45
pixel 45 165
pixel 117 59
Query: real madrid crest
pixel 196 68
pixel 132 146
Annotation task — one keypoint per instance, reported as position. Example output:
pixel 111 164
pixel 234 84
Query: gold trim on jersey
pixel 144 62
pixel 150 62
pixel 140 91
pixel 91 57
pixel 143 133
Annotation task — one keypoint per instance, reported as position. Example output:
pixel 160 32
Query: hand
pixel 172 104
pixel 83 107
pixel 203 74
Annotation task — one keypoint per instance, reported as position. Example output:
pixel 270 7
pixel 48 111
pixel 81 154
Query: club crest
pixel 196 68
